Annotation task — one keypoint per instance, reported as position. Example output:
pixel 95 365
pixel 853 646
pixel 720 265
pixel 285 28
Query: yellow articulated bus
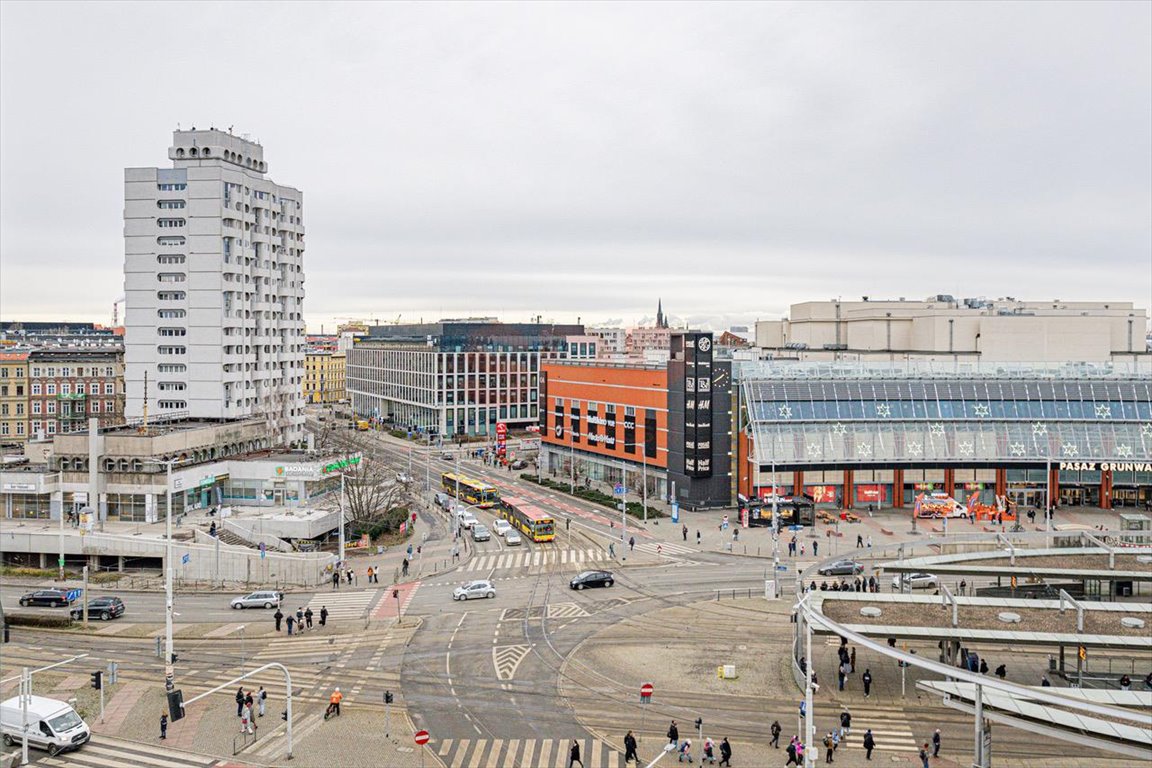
pixel 472 491
pixel 532 521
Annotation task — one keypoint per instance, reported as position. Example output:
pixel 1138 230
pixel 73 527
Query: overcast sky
pixel 581 160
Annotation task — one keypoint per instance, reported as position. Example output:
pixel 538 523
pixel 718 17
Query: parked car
pixel 592 579
pixel 915 581
pixel 445 456
pixel 260 599
pixel 480 532
pixel 842 568
pixel 467 519
pixel 512 538
pixel 501 527
pixel 48 597
pixel 519 464
pixel 403 477
pixel 473 589
pixel 103 608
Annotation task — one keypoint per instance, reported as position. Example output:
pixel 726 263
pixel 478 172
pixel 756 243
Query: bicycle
pixel 332 710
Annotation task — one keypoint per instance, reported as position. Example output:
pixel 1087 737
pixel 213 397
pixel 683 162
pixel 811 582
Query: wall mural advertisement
pixel 870 494
pixel 822 494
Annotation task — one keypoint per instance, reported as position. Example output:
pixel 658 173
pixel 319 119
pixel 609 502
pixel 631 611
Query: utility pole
pixel 341 517
pixel 169 670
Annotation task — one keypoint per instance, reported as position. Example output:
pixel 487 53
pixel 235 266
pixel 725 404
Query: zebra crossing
pixel 525 753
pixel 890 728
pixel 104 751
pixel 665 548
pixel 577 558
pixel 350 605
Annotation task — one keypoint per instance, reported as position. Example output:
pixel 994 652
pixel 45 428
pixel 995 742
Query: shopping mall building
pixel 852 434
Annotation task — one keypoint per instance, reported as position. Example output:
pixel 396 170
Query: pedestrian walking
pixel 684 531
pixel 828 748
pixel 735 534
pixel 859 541
pixel 869 744
pixel 1002 671
pixel 335 579
pixel 775 734
pixel 792 756
pixel 574 755
pixel 291 623
pixel 835 740
pixel 249 700
pixel 299 620
pixel 348 573
pixel 963 585
pixel 815 549
pixel 697 537
pixel 630 748
pixel 673 733
pixel 323 615
pixel 983 666
pixel 245 724
pixel 867 680
pixel 279 617
pixel 611 550
pixel 852 661
pixel 240 693
pixel 455 552
pixel 308 617
pixel 708 752
pixel 261 698
pixel 924 755
pixel 725 753
pixel 371 573
pixel 404 567
pixel 631 543
pixel 846 722
pixel 163 725
pixel 685 752
pixel 869 542
pixel 936 743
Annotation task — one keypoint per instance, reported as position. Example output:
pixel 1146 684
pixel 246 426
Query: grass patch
pixel 635 508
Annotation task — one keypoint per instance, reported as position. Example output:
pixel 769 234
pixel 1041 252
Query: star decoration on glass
pixel 1070 449
pixel 1039 428
pixel 839 429
pixel 883 410
pixel 1124 451
pixel 785 411
pixel 915 449
pixel 967 449
pixel 1146 430
pixel 1017 449
pixel 864 450
pixel 1103 411
pixel 936 429
pixel 982 410
pixel 815 451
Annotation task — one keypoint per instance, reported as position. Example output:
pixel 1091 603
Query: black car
pixel 842 568
pixel 592 579
pixel 48 597
pixel 103 608
pixel 519 464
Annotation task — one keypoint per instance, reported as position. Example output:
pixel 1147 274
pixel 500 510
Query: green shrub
pixel 39 620
pixel 635 508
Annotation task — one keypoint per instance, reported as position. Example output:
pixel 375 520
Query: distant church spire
pixel 661 321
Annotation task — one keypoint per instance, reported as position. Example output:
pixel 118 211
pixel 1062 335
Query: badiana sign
pixel 1106 466
pixel 336 466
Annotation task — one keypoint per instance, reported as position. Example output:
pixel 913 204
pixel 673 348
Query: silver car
pixel 480 532
pixel 915 581
pixel 260 599
pixel 474 589
pixel 512 538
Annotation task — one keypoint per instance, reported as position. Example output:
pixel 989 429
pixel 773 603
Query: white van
pixel 52 724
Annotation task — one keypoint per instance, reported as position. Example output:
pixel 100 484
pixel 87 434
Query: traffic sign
pixel 73 595
pixel 618 489
pixel 421 738
pixel 1083 653
pixel 782 568
pixel 646 689
pixel 186 559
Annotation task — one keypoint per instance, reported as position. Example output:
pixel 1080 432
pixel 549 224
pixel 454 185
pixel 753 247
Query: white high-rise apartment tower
pixel 214 286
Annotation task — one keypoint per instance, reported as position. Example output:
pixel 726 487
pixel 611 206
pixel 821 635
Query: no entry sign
pixel 421 737
pixel 646 692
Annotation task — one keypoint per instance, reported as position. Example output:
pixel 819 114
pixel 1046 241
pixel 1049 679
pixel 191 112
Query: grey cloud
pixel 583 159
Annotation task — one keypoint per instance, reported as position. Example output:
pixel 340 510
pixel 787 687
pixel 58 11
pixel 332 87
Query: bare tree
pixel 373 492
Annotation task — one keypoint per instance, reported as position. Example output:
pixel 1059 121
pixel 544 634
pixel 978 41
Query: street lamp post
pixel 60 481
pixel 775 531
pixel 341 526
pixel 169 671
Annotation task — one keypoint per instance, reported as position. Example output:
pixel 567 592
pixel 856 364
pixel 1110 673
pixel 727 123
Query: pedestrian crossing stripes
pixel 343 606
pixel 107 751
pixel 664 548
pixel 525 753
pixel 578 558
pixel 890 728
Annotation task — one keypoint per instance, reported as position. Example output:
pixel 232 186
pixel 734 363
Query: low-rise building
pixel 13 397
pixel 455 377
pixel 324 376
pixel 944 328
